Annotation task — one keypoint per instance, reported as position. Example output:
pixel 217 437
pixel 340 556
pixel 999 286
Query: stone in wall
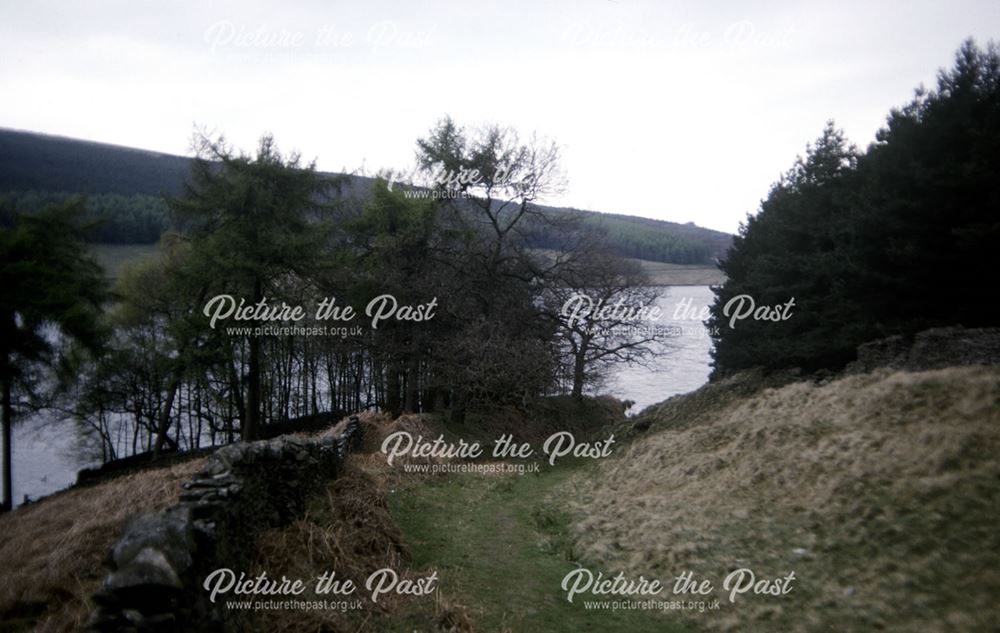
pixel 931 349
pixel 243 489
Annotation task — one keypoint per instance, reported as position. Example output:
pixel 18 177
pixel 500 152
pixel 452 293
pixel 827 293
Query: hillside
pixel 879 491
pixel 54 551
pixel 124 182
pixel 40 162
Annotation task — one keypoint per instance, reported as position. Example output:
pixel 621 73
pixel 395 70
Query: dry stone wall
pixel 159 562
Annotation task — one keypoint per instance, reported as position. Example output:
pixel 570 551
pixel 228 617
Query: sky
pixel 680 111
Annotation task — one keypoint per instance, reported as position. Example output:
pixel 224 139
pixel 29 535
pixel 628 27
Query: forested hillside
pixel 113 218
pixel 40 162
pixel 124 187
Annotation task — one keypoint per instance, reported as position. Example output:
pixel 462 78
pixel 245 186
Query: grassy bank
pixel 53 551
pixel 114 257
pixel 500 544
pixel 879 491
pixel 502 547
pixel 662 274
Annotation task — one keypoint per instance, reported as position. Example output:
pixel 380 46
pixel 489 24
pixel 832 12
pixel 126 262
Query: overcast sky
pixel 683 111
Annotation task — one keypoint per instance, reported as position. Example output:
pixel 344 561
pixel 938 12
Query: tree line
pixel 110 218
pixel 644 238
pixel 888 241
pixel 124 190
pixel 138 218
pixel 147 372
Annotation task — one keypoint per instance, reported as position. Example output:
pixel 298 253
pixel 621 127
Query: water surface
pixel 48 449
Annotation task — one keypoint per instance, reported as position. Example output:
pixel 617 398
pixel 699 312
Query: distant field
pixel 112 257
pixel 682 274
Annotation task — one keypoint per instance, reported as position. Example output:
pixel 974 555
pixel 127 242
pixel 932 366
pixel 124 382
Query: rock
pixel 931 349
pixel 886 352
pixel 149 569
pixel 170 533
pixel 216 481
pixel 204 509
pixel 202 494
pixel 241 488
pixel 205 528
pixel 231 454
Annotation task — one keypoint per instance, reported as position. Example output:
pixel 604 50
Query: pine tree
pixel 47 280
pixel 789 250
pixel 255 224
pixel 890 242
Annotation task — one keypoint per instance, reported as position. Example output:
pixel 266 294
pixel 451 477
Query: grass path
pixel 501 552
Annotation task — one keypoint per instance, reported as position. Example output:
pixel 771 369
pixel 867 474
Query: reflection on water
pixel 682 364
pixel 47 453
pixel 48 450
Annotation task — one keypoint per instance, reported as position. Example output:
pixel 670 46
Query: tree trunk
pixel 236 387
pixel 392 400
pixel 252 421
pixel 412 385
pixel 440 399
pixel 458 405
pixel 579 374
pixel 251 425
pixel 8 493
pixel 163 424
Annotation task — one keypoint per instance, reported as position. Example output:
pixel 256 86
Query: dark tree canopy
pixel 51 294
pixel 891 241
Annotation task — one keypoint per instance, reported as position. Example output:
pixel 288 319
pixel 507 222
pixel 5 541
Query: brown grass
pixel 53 551
pixel 880 491
pixel 347 530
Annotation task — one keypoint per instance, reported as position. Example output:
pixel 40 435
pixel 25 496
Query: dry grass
pixel 367 419
pixel 880 491
pixel 53 551
pixel 663 274
pixel 379 426
pixel 347 530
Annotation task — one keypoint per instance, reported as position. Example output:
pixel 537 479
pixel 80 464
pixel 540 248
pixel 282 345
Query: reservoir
pixel 49 449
